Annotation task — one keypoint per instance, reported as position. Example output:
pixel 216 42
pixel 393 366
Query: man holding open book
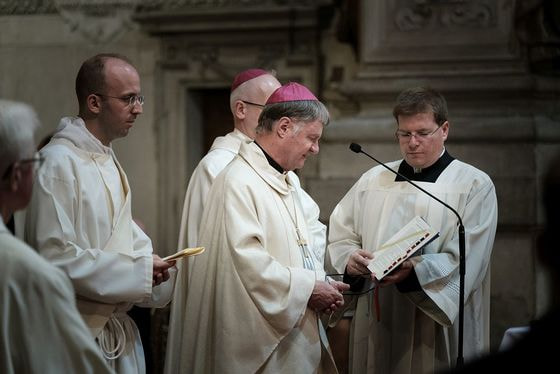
pixel 419 299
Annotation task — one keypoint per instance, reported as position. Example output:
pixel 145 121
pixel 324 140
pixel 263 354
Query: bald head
pixel 256 90
pixel 244 97
pixel 91 76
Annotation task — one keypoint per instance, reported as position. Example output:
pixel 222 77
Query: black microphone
pixel 358 149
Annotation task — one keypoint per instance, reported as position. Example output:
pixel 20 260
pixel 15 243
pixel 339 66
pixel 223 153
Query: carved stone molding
pixel 167 5
pixel 99 21
pixel 538 28
pixel 14 7
pixel 451 14
pixel 145 6
pixel 410 35
pixel 454 45
pixel 220 38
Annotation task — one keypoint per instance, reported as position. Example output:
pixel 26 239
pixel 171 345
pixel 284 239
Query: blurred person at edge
pixel 41 330
pixel 536 350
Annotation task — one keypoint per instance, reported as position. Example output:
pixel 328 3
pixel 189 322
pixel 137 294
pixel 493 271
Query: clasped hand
pixel 327 296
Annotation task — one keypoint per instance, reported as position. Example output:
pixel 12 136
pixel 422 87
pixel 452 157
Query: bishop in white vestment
pixel 254 85
pixel 256 306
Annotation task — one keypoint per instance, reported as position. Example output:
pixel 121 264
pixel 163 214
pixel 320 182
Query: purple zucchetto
pixel 245 76
pixel 291 92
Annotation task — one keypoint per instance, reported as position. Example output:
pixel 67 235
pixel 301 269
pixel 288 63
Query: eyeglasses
pixel 420 135
pixel 38 159
pixel 129 99
pixel 255 104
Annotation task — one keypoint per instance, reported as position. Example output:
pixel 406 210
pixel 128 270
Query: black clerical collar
pixel 429 174
pixel 271 161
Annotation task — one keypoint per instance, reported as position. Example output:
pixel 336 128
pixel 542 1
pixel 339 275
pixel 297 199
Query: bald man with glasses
pixel 80 214
pixel 418 327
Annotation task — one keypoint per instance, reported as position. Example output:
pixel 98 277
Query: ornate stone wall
pixel 496 61
pixel 504 117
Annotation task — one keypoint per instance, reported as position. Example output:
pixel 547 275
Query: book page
pixel 413 236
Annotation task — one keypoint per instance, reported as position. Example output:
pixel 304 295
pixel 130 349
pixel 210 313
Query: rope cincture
pixel 112 339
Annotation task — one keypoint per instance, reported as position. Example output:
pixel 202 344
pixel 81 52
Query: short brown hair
pixel 421 100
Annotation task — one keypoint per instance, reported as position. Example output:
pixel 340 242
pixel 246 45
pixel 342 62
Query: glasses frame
pixel 407 135
pixel 251 103
pixel 131 99
pixel 37 158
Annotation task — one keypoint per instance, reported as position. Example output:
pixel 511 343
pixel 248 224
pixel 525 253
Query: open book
pixel 184 253
pixel 413 236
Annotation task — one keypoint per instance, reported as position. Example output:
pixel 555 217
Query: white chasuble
pixel 249 312
pixel 223 151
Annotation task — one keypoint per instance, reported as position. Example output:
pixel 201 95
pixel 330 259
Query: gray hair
pixel 305 111
pixel 421 100
pixel 18 122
